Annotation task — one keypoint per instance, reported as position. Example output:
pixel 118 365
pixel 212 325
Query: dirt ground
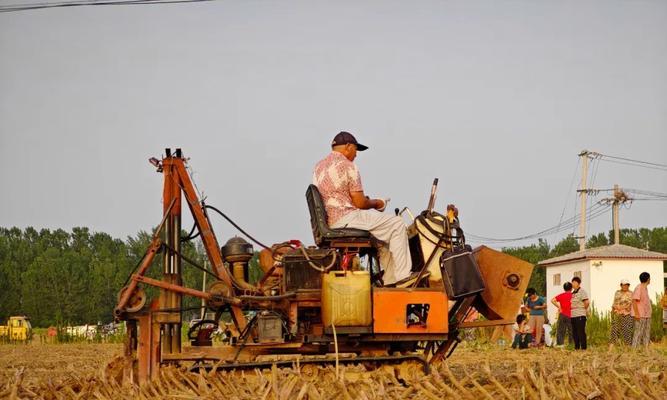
pixel 53 371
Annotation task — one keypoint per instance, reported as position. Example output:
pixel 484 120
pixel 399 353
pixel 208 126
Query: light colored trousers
pixel 642 334
pixel 395 261
pixel 536 323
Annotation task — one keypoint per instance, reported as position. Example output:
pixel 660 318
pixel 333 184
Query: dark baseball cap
pixel 347 138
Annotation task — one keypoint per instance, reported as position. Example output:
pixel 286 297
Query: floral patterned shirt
pixel 335 177
pixel 622 302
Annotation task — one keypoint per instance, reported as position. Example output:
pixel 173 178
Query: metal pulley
pixel 218 291
pixel 136 302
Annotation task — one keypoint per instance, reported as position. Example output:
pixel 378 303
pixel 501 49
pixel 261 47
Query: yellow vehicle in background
pixel 18 329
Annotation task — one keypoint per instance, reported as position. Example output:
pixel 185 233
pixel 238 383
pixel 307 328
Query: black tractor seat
pixel 327 237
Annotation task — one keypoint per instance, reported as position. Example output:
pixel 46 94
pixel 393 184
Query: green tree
pixel 597 240
pixel 566 246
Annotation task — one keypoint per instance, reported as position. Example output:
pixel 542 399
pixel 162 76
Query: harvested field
pixel 79 370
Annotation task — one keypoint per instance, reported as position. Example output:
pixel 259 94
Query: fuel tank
pixel 506 279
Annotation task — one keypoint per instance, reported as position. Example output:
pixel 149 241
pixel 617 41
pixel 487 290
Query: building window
pixel 577 274
pixel 556 279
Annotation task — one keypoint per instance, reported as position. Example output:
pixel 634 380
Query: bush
pixel 598 328
pixel 657 330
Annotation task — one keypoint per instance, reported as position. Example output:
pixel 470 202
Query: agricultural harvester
pixel 316 304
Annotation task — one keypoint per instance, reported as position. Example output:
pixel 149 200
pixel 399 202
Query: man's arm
pixel 635 307
pixel 636 298
pixel 363 202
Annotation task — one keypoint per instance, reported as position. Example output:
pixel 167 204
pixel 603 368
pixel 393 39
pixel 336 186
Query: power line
pixel 79 3
pixel 646 192
pixel 595 211
pixel 635 161
pixel 650 198
pixel 630 161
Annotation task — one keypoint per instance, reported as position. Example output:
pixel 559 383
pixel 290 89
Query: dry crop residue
pixel 69 371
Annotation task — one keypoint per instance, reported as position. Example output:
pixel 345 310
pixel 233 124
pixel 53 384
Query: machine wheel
pixel 137 300
pixel 200 333
pixel 218 290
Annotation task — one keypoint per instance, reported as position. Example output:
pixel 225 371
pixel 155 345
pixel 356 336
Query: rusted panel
pixel 143 349
pixel 506 279
pixel 154 349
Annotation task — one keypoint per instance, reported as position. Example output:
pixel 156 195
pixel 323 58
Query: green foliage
pixel 61 278
pixel 597 241
pixel 657 329
pixel 254 270
pixel 565 246
pixel 598 327
pixel 649 239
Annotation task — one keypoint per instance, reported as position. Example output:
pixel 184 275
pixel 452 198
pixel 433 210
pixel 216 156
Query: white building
pixel 601 270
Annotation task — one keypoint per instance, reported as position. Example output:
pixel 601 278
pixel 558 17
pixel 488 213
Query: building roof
pixel 614 251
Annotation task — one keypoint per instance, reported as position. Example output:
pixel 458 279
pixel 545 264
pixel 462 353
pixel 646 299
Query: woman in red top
pixel 564 304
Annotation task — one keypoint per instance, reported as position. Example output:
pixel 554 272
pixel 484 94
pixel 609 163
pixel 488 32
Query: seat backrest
pixel 318 214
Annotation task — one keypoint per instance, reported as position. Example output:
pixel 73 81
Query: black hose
pixel 262 298
pixel 238 227
pixel 190 236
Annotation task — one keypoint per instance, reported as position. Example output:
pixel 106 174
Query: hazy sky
pixel 496 98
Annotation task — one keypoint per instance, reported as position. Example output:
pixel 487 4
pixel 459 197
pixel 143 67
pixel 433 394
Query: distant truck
pixel 18 329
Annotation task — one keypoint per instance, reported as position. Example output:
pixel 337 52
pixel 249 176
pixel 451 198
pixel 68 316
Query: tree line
pixel 57 277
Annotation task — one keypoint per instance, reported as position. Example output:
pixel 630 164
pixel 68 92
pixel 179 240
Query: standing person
pixel 579 310
pixel 339 183
pixel 564 304
pixel 621 318
pixel 641 312
pixel 536 305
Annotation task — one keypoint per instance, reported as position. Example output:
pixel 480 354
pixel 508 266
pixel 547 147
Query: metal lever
pixel 405 209
pixel 431 200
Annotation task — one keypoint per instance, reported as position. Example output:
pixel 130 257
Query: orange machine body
pixel 390 305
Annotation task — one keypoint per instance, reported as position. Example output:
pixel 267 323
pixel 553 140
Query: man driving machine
pixel 339 182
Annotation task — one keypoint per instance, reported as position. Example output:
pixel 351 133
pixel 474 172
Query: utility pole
pixel 583 194
pixel 619 198
pixel 614 212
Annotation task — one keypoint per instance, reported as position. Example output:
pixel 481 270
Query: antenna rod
pixel 431 200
